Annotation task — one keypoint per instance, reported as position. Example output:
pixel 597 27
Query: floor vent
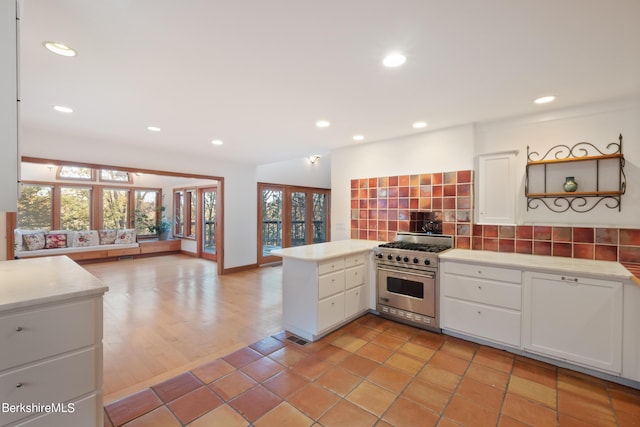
pixel 125 258
pixel 297 340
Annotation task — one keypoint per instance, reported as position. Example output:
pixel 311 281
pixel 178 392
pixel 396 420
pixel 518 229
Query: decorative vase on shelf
pixel 570 185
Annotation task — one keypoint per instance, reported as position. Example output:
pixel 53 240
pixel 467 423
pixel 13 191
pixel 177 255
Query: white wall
pixel 297 172
pixel 437 151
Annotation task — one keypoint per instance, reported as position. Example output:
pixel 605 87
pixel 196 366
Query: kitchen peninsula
pixel 325 285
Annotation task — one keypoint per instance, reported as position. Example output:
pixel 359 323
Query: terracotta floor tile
pixel 159 417
pixel 365 333
pixel 339 380
pixel 533 391
pixel 255 403
pixel 534 372
pixel 507 421
pixel 232 385
pixel 628 419
pixel 585 409
pixel 496 359
pixel 284 415
pixel 313 400
pixel 388 341
pixel 285 383
pixel 105 418
pixel 404 412
pixel 267 345
pixel 348 343
pixel 528 412
pixel 457 347
pixel 374 352
pixel 371 397
pixel 345 414
pixel 481 393
pixel 194 404
pixel 497 379
pixel 212 371
pixel 417 351
pixel 374 322
pixel 177 386
pixel 332 354
pixel 310 367
pixel 469 413
pixel 223 415
pixel 446 422
pixel 448 362
pixel 133 406
pixel 359 365
pixel 565 420
pixel 428 339
pixel 443 379
pixel 262 369
pixel 404 363
pixel 427 395
pixel 288 355
pixel 401 331
pixel 579 386
pixel 625 400
pixel 242 357
pixel 391 379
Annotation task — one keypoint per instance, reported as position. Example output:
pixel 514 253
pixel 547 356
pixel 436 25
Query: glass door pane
pixel 271 220
pixel 209 221
pixel 319 213
pixel 298 219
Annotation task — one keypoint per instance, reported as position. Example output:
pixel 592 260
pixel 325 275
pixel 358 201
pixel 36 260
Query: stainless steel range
pixel 407 278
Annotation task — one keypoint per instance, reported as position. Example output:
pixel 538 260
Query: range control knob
pixel 416 260
pixel 406 259
pixel 398 258
pixel 389 257
pixel 379 255
pixel 427 262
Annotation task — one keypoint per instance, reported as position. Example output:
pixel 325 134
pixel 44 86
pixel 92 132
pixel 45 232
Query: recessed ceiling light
pixel 217 142
pixel 394 59
pixel 545 99
pixel 62 109
pixel 358 137
pixel 153 128
pixel 323 124
pixel 419 125
pixel 59 48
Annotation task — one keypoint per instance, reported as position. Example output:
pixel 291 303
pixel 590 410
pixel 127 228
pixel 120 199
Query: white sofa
pixel 86 244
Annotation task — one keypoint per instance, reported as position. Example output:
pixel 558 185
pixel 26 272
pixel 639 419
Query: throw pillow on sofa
pixel 107 237
pixel 34 241
pixel 55 240
pixel 84 239
pixel 126 236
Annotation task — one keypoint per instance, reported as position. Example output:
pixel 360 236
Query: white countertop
pixel 322 251
pixel 603 269
pixel 28 282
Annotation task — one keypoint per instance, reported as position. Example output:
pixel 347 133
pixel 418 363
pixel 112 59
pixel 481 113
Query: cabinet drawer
pixel 354 277
pixel 354 260
pixel 330 284
pixel 57 380
pixel 500 294
pixel 32 335
pixel 483 271
pixel 331 266
pixel 355 301
pixel 491 323
pixel 330 312
pixel 86 412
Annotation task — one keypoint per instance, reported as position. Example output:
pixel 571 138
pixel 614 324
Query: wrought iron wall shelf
pixel 578 201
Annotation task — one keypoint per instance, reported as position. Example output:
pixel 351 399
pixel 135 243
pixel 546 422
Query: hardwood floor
pixel 166 315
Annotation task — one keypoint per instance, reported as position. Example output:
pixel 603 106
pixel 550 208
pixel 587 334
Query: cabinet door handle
pixel 18 385
pixel 479 287
pixel 570 279
pixel 19 329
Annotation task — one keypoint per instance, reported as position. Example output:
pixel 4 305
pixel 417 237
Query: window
pixel 271 208
pixel 178 208
pixel 146 210
pixel 186 212
pixel 75 172
pixel 115 176
pixel 193 213
pixel 75 208
pixel 35 207
pixel 115 207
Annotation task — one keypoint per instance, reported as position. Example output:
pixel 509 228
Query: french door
pixel 208 198
pixel 290 216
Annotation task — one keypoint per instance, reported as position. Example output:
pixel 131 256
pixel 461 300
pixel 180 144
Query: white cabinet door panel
pixel 492 293
pixel 355 301
pixel 486 322
pixel 330 311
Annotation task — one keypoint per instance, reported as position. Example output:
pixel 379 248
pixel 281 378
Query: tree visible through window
pixel 75 208
pixel 35 207
pixel 115 203
pixel 75 172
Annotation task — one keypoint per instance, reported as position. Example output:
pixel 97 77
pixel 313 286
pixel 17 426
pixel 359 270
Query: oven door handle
pixel 427 274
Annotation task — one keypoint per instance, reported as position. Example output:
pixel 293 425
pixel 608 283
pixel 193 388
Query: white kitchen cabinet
pixel 8 107
pixel 630 335
pixel 481 301
pixel 575 319
pixel 50 343
pixel 497 188
pixel 320 296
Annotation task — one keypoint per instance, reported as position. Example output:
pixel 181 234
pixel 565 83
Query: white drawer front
pixel 494 324
pixel 355 301
pixel 330 284
pixel 57 380
pixel 354 277
pixel 331 266
pixel 500 294
pixel 354 260
pixel 33 335
pixel 330 312
pixel 483 271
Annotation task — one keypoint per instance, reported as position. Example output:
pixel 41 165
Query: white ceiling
pixel 259 73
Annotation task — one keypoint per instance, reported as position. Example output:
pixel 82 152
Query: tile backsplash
pixel 381 206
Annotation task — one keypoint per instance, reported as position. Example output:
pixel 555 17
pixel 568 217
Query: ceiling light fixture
pixel 323 124
pixel 395 59
pixel 419 125
pixel 59 48
pixel 545 99
pixel 358 137
pixel 62 109
pixel 313 159
pixel 217 142
pixel 153 128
